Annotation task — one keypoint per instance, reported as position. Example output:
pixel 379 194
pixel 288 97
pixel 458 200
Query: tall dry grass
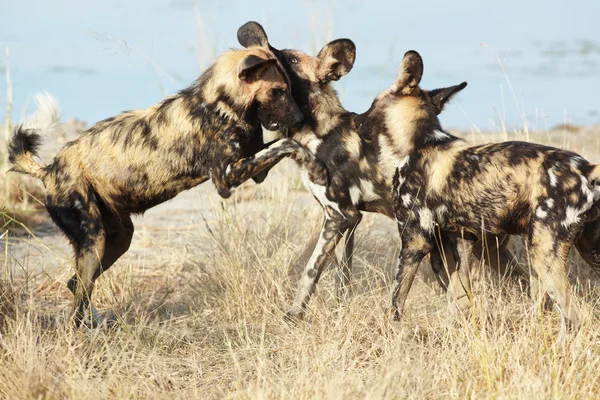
pixel 210 325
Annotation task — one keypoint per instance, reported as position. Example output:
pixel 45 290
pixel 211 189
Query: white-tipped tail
pixel 47 115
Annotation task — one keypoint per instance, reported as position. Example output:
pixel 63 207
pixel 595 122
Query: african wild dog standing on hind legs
pixel 131 162
pixel 544 193
pixel 358 150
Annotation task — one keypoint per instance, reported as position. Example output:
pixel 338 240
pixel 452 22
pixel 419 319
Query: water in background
pixel 100 58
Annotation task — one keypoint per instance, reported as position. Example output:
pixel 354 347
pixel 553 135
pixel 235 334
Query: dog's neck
pixel 325 109
pixel 225 98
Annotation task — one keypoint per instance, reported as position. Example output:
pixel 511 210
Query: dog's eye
pixel 277 92
pixel 293 60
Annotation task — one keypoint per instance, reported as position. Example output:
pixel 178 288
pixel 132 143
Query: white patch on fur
pixel 388 158
pixel 549 203
pixel 228 170
pixel 591 194
pixel 406 199
pixel 235 144
pixel 313 144
pixel 354 194
pixel 401 178
pixel 572 217
pixel 308 139
pixel 552 177
pixel 401 181
pixel 440 211
pixel 403 162
pixel 273 146
pixel 47 115
pixel 575 162
pixel 426 219
pixel 368 191
pixel 319 192
pixel 587 192
pixel 474 157
pixel 439 135
pixel 540 213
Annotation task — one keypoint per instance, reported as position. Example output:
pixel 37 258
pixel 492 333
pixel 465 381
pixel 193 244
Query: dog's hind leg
pixel 118 235
pixel 119 232
pixel 459 289
pixel 548 252
pixel 344 268
pixel 77 214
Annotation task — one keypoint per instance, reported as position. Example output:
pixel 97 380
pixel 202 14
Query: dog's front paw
pixel 224 192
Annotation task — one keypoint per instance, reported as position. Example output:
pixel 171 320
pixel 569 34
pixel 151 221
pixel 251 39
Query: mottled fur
pixel 131 162
pixel 543 193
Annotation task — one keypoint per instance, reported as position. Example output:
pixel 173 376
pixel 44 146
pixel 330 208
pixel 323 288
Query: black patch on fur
pixel 23 141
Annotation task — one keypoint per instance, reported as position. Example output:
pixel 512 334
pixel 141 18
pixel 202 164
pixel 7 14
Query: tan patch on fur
pixel 400 117
pixel 308 139
pixel 352 144
pixel 443 162
pixel 365 165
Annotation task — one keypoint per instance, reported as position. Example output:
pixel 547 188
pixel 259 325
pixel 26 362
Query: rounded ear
pixel 252 34
pixel 441 96
pixel 410 72
pixel 336 59
pixel 250 67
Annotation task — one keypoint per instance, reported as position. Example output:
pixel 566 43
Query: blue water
pixel 100 58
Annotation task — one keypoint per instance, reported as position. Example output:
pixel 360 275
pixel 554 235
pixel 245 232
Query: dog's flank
pixel 131 162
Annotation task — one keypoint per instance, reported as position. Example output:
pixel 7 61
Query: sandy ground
pixel 173 232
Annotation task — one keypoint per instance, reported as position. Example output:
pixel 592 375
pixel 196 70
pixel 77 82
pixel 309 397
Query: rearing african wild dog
pixel 131 162
pixel 360 154
pixel 519 188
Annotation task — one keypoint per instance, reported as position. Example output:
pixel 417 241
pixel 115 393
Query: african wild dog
pixel 359 151
pixel 131 162
pixel 443 184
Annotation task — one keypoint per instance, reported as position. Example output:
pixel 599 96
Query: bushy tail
pixel 27 138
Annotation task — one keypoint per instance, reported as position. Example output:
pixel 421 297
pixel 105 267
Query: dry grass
pixel 211 326
pixel 21 200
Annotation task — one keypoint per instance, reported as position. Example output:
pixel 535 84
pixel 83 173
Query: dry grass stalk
pixel 8 125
